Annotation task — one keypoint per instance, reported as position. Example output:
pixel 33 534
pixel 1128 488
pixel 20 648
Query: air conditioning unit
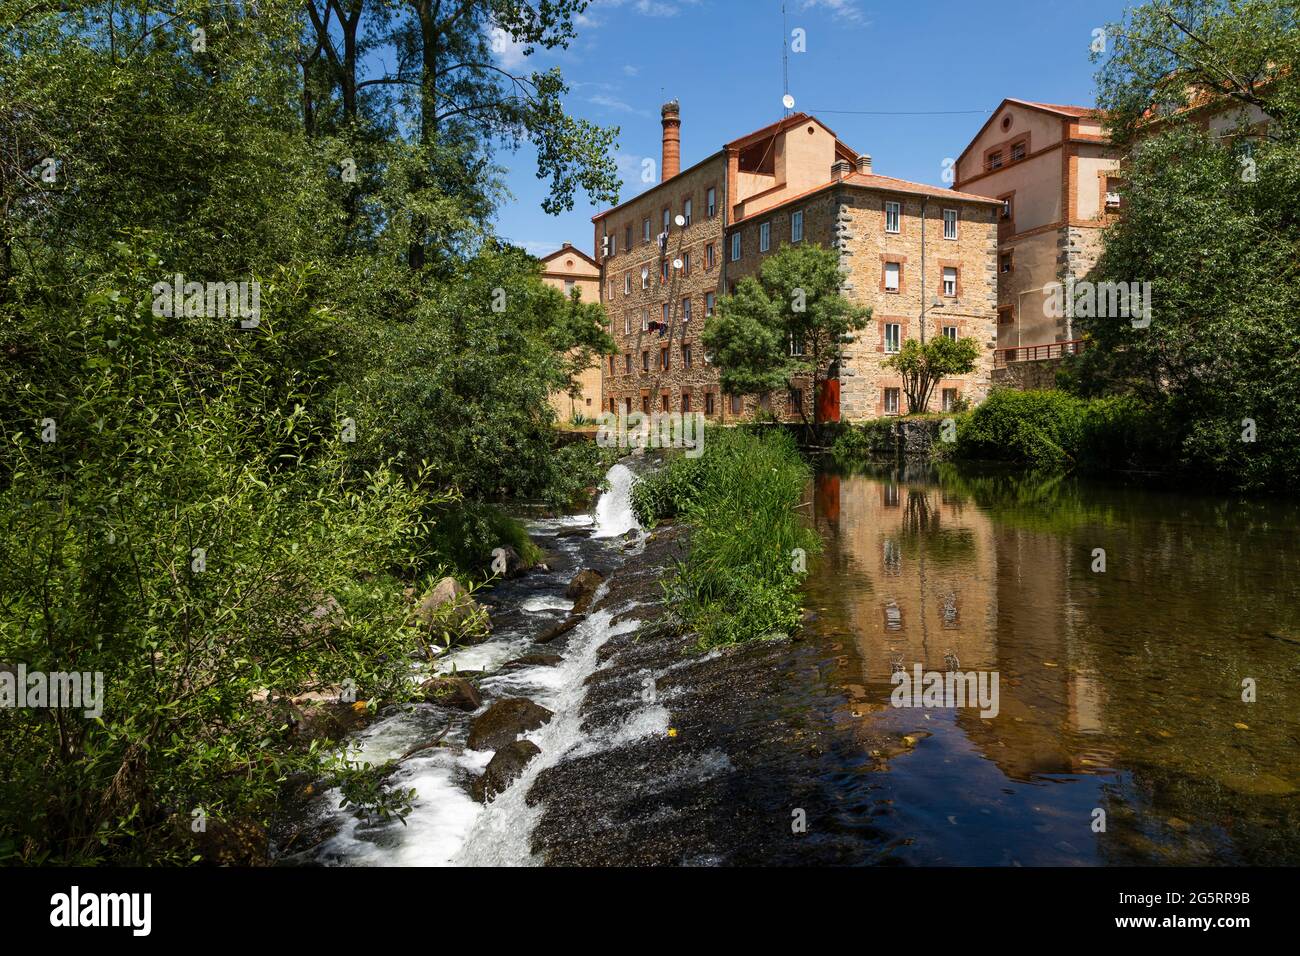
pixel 1112 200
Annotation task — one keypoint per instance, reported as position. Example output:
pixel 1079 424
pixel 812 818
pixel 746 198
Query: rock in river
pixel 582 588
pixel 455 692
pixel 503 769
pixel 505 720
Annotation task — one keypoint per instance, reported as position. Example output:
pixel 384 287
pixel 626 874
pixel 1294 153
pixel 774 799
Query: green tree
pixel 786 328
pixel 1167 55
pixel 924 365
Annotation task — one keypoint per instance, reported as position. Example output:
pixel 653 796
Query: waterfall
pixel 614 516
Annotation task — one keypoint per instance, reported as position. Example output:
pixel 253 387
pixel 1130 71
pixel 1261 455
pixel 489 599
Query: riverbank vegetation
pixel 259 386
pixel 749 544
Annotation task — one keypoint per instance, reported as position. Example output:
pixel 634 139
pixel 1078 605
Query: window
pixel 627 236
pixel 893 215
pixel 611 406
pixel 950 331
pixel 663 402
pixel 950 223
pixel 627 363
pixel 735 247
pixel 893 274
pixel 645 361
pixel 686 310
pixel 1005 263
pixel 613 244
pixel 796 345
pixel 796 227
pixel 892 331
pixel 686 263
pixel 663 270
pixel 645 320
pixel 708 304
pixel 645 230
pixel 627 284
pixel 611 365
pixel 737 404
pixel 686 357
pixel 708 256
pixel 686 211
pixel 949 280
pixel 708 403
pixel 1008 209
pixel 711 200
pixel 645 404
pixel 796 399
pixel 665 314
pixel 668 221
pixel 627 323
pixel 1017 151
pixel 949 399
pixel 995 160
pixel 765 237
pixel 1113 199
pixel 663 359
pixel 645 277
pixel 686 403
pixel 568 287
pixel 1004 314
pixel 627 405
pixel 891 401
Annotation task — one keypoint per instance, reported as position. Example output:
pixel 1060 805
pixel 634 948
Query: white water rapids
pixel 446 827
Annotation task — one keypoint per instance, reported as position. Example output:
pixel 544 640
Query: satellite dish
pixel 787 101
pixel 677 263
pixel 680 220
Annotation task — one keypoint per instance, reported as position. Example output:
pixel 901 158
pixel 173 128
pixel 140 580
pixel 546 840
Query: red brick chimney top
pixel 672 140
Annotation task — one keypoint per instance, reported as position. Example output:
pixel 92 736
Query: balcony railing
pixel 1036 353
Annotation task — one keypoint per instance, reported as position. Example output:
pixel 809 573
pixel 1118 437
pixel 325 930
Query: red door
pixel 828 401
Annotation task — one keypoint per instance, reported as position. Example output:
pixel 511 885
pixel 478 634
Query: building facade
pixel 1057 177
pixel 569 269
pixel 921 257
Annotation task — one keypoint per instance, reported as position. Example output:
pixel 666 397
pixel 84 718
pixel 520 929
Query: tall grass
pixel 741 578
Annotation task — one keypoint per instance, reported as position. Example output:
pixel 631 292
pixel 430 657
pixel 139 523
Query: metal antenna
pixel 785 61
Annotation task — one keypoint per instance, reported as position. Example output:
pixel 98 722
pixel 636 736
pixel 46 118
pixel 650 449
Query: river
pixel 1120 736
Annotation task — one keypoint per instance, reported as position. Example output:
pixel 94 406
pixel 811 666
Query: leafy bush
pixel 1049 429
pixel 739 580
pixel 864 440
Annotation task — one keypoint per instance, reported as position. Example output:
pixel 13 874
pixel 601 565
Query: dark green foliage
pixel 741 579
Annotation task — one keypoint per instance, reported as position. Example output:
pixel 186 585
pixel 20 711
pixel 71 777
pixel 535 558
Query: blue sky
pixel 722 60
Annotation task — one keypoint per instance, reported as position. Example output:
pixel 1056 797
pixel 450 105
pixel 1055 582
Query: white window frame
pixel 627 323
pixel 894 211
pixel 898 277
pixel 950 331
pixel 686 310
pixel 893 393
pixel 645 320
pixel 686 211
pixel 645 277
pixel 668 221
pixel 708 304
pixel 796 226
pixel 947 398
pixel 627 284
pixel 645 229
pixel 735 247
pixel 897 337
pixel 764 237
pixel 950 217
pixel 950 283
pixel 711 200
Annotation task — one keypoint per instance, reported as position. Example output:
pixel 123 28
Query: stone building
pixel 1054 171
pixel 921 257
pixel 569 269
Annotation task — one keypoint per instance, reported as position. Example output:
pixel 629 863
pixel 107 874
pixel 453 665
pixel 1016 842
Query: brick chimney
pixel 672 157
pixel 864 164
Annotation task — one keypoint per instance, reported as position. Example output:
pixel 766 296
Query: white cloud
pixel 630 70
pixel 614 103
pixel 846 11
pixel 508 50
